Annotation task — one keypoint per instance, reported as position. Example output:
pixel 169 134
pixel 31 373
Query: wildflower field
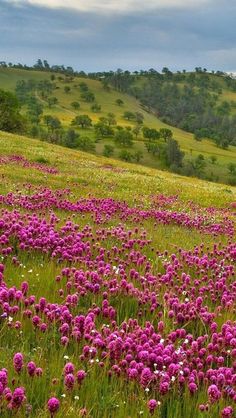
pixel 117 288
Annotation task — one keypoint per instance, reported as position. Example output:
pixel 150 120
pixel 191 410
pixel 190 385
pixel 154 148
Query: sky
pixel 96 35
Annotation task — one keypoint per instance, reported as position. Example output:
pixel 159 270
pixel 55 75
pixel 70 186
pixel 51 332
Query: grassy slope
pixel 88 175
pixel 88 170
pixel 9 77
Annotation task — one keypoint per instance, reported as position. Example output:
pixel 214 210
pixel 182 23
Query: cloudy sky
pixel 96 35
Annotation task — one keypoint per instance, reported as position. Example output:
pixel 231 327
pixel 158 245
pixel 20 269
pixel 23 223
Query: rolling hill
pixel 107 100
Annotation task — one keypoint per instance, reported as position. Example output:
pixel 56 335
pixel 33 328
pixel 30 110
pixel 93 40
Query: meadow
pixel 107 100
pixel 117 288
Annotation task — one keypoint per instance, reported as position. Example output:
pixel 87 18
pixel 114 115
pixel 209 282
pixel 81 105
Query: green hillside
pixel 80 168
pixel 107 100
pixel 95 252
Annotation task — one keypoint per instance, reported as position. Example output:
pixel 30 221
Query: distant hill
pixel 216 163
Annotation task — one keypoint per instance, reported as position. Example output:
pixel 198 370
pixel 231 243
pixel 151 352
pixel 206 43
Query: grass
pixel 88 175
pixel 89 169
pixel 64 111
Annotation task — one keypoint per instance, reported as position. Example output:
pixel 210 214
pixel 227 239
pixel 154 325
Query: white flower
pixel 10 319
pixel 63 395
pixel 76 397
pixel 147 390
pixel 173 378
pixel 66 357
pixel 162 341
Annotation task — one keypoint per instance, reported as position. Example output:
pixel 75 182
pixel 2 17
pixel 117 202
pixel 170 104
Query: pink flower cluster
pixel 103 210
pixel 159 320
pixel 22 161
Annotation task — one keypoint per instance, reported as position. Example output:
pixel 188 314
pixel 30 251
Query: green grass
pixel 87 175
pixel 107 100
pixel 89 169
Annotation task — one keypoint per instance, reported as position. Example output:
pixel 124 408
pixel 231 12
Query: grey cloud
pixel 178 38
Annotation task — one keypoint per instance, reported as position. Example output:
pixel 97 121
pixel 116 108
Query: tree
pixel 108 150
pixel 88 96
pixel 52 101
pixel 213 159
pixel 232 168
pixel 137 156
pixel 52 122
pixel 151 133
pixel 166 134
pixel 10 118
pixel 86 144
pixel 71 139
pixel 153 148
pixel 83 86
pixel 67 89
pixel 199 164
pixel 105 85
pixel 39 64
pixel 119 102
pixel 46 65
pixel 129 115
pixel 84 121
pixel 172 153
pixel 75 105
pixel 124 137
pixel 139 118
pixel 125 155
pixel 136 130
pixel 96 107
pixel 103 129
pixel 111 119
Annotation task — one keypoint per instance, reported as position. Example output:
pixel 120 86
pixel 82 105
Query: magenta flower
pixel 69 368
pixel 69 381
pixel 31 368
pixel 18 397
pixel 81 374
pixel 227 412
pixel 214 393
pixel 18 362
pixel 152 404
pixel 53 405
